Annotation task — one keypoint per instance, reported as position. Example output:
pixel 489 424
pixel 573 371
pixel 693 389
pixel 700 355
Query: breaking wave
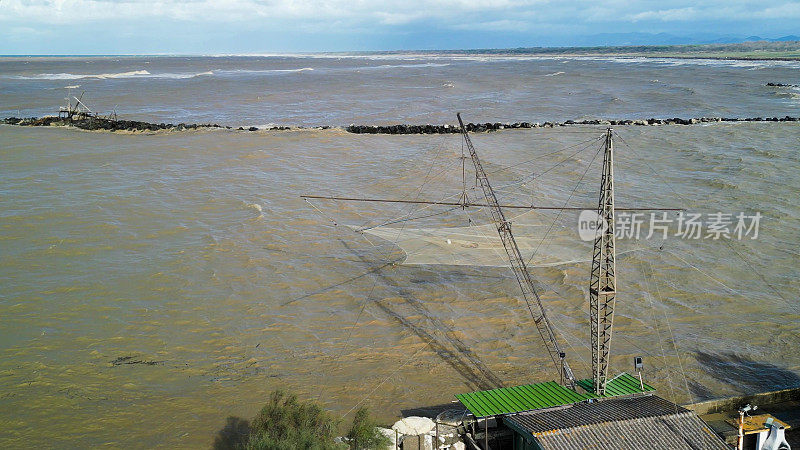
pixel 264 71
pixel 77 76
pixel 396 66
pixel 104 76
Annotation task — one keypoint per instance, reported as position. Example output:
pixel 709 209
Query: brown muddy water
pixel 153 284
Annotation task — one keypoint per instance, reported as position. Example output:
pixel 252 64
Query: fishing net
pixel 541 240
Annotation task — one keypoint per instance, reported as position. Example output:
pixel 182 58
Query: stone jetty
pixel 103 123
pixel 87 122
pixel 487 127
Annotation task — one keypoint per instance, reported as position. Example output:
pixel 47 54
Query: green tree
pixel 364 435
pixel 286 424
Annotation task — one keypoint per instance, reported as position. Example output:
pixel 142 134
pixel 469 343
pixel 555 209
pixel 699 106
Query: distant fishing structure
pixel 554 415
pixel 78 109
pixel 602 286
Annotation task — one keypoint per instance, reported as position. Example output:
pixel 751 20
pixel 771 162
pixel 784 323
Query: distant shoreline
pixel 746 51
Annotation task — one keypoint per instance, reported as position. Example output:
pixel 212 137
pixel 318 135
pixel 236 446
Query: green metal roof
pixel 543 395
pixel 622 384
pixel 519 398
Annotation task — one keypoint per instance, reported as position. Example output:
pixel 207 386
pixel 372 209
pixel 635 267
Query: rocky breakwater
pixel 101 123
pixel 433 129
pixel 489 127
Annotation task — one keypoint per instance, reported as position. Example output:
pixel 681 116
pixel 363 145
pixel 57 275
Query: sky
pixel 290 26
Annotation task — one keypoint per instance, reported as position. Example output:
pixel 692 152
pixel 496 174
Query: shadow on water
pixel 746 375
pixel 700 392
pixel 449 348
pixel 233 435
pixel 431 411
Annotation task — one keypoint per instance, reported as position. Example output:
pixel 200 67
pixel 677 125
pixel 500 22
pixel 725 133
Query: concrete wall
pixel 734 403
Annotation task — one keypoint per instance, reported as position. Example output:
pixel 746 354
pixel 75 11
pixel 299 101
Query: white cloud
pixel 489 15
pixel 718 11
pixel 392 11
pixel 496 25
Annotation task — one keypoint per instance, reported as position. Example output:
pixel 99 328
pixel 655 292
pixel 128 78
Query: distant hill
pixel 755 50
pixel 791 37
pixel 625 39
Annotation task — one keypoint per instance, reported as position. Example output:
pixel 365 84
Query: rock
pixel 413 426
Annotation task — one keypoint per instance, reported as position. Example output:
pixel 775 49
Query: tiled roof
pixel 625 423
pixel 597 412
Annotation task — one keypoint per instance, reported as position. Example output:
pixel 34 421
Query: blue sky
pixel 267 26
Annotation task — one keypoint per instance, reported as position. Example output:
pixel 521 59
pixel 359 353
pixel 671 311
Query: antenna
pixel 603 280
pixel 637 365
pixel 464 200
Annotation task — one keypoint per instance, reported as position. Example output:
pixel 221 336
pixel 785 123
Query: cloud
pixel 355 24
pixel 496 25
pixel 724 11
pixel 388 12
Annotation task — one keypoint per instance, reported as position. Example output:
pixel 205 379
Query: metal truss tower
pixel 603 282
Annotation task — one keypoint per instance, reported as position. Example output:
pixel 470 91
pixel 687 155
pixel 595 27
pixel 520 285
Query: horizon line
pixel 406 51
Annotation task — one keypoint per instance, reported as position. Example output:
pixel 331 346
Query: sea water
pixel 153 284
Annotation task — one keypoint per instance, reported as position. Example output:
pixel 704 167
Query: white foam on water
pixel 180 76
pixel 410 66
pixel 103 76
pixel 75 76
pixel 554 74
pixel 264 71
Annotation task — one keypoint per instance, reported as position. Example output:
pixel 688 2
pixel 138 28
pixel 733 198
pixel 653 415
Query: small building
pixel 544 416
pixel 644 422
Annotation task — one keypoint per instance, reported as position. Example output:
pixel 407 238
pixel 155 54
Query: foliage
pixel 363 434
pixel 286 424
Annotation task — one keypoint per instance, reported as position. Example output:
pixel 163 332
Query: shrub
pixel 363 434
pixel 286 424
